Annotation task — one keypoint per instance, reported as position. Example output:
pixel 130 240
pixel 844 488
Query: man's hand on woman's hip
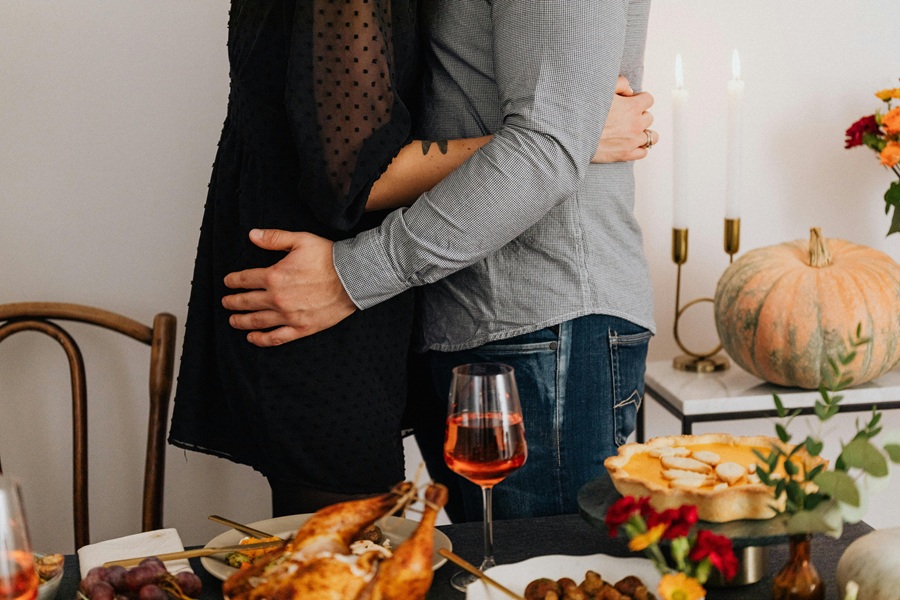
pixel 298 296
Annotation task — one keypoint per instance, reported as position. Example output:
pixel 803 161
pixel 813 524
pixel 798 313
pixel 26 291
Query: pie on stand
pixel 714 472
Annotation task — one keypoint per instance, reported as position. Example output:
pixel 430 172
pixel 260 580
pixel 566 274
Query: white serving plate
pixel 517 576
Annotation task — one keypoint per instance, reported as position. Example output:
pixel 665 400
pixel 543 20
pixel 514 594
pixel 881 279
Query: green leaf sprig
pixel 819 499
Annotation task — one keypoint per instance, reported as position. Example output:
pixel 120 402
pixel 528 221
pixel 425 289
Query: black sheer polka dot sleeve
pixel 358 57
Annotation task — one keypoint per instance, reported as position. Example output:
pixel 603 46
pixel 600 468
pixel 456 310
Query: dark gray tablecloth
pixel 570 534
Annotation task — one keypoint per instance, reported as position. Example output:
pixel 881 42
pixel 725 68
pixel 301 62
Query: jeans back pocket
pixel 628 355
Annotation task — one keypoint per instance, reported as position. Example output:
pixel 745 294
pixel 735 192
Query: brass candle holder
pixel 699 362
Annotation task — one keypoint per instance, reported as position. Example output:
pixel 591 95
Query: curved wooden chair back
pixel 41 316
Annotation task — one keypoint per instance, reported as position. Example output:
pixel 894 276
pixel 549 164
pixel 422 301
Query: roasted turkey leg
pixel 408 573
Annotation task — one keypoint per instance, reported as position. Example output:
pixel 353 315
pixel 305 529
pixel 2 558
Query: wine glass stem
pixel 487 495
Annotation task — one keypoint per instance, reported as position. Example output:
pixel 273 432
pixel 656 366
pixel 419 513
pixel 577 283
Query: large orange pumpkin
pixel 783 311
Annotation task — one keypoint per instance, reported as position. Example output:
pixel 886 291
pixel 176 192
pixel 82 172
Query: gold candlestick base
pixel 709 361
pixel 701 364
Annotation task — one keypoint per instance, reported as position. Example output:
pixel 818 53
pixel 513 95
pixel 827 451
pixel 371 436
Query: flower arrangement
pixel 694 554
pixel 881 133
pixel 820 500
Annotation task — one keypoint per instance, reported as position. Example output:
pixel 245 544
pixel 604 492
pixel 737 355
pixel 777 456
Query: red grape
pixel 101 590
pixel 155 565
pixel 189 583
pixel 94 576
pixel 116 577
pixel 147 581
pixel 139 576
pixel 152 592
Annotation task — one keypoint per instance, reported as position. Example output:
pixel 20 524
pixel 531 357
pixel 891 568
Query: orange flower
pixel 891 121
pixel 890 156
pixel 888 94
pixel 679 586
pixel 642 540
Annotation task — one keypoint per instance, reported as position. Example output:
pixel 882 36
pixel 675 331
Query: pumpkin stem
pixel 818 251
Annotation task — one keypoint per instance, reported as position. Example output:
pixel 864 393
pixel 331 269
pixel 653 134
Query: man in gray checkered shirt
pixel 533 255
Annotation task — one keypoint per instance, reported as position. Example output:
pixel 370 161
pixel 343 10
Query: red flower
pixel 719 551
pixel 855 132
pixel 678 521
pixel 622 510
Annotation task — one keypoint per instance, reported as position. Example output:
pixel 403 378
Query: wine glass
pixel 18 576
pixel 485 438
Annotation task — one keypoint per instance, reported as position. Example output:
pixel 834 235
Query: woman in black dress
pixel 320 102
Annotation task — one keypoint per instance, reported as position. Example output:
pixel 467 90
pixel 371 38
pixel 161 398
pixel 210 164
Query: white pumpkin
pixel 873 562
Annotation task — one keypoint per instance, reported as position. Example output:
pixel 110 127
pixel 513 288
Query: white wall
pixel 109 115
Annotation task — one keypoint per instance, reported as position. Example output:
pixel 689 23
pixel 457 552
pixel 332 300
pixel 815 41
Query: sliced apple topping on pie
pixel 715 472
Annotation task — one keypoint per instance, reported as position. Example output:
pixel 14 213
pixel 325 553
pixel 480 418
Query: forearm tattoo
pixel 441 144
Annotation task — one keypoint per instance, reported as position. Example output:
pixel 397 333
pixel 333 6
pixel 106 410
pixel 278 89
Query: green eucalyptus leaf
pixel 831 514
pixel 839 486
pixel 862 454
pixel 783 434
pixel 813 446
pixel 876 418
pixel 815 499
pixel 855 514
pixel 816 521
pixel 892 198
pixel 779 406
pixel 821 410
pixel 790 467
pixel 772 461
pixel 814 471
pixel 893 451
pixel 795 493
pixel 839 464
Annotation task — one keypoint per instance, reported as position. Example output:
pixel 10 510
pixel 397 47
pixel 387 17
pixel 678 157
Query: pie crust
pixel 637 471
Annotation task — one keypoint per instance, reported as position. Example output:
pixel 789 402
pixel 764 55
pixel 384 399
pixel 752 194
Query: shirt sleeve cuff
pixel 366 271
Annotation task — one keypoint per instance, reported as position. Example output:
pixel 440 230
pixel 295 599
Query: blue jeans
pixel 580 384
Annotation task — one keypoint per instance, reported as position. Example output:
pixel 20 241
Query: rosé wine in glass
pixel 485 438
pixel 482 449
pixel 18 575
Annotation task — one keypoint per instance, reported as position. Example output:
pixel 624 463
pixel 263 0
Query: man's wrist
pixel 365 271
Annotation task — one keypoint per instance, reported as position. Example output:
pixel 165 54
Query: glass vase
pixel 798 579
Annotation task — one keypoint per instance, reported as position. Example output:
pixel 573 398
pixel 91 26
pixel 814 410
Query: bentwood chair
pixel 42 317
